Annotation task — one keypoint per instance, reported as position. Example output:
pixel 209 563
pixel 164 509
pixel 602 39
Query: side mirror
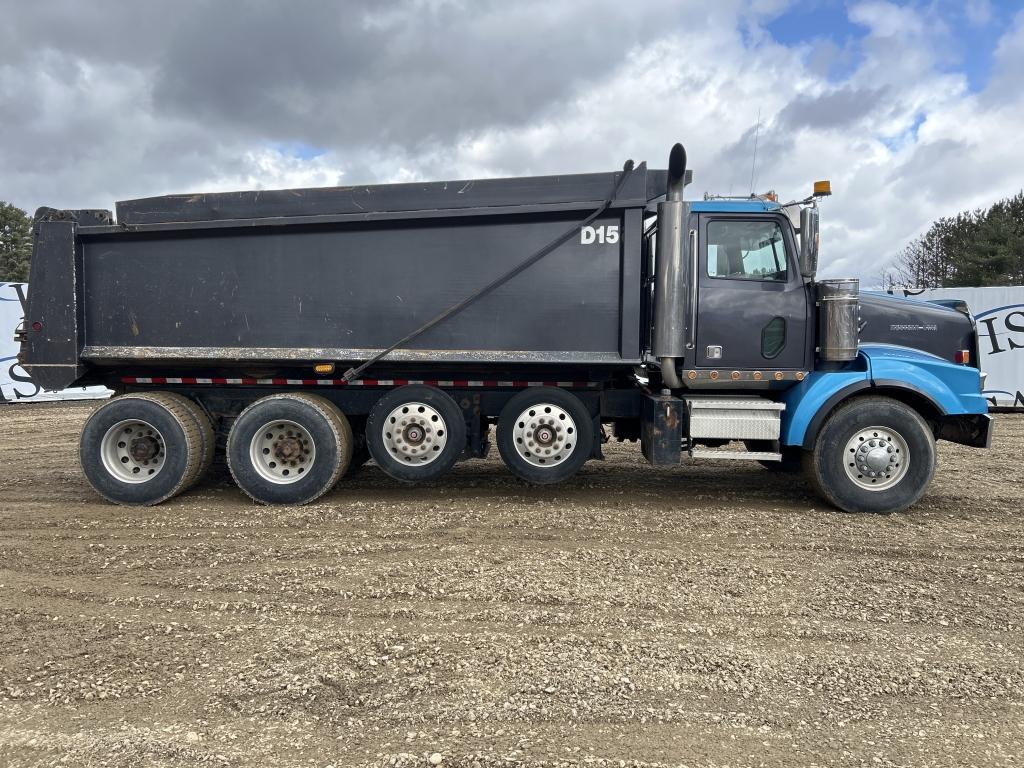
pixel 808 241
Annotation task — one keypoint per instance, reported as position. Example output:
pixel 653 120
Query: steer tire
pixel 168 426
pixel 328 438
pixel 901 437
pixel 430 413
pixel 513 443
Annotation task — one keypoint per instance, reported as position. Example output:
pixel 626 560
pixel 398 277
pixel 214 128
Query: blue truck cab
pixel 852 387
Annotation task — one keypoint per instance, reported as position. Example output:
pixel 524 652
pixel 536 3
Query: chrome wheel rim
pixel 133 451
pixel 415 434
pixel 876 458
pixel 544 435
pixel 282 452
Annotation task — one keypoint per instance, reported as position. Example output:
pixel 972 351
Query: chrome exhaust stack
pixel 670 273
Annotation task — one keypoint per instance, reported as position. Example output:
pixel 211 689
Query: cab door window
pixel 746 250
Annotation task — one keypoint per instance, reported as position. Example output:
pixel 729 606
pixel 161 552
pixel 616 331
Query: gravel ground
pixel 705 615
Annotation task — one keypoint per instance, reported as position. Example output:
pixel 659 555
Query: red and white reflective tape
pixel 452 383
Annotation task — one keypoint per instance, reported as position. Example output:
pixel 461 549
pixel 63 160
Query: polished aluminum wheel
pixel 133 451
pixel 876 458
pixel 544 435
pixel 282 452
pixel 415 433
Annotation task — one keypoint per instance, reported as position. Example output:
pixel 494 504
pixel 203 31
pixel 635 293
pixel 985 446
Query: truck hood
pixel 921 325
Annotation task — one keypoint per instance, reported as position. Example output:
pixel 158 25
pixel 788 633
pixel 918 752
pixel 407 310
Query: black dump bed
pixel 269 279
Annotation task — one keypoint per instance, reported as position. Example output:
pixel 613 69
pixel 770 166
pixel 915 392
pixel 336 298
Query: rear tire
pixel 873 454
pixel 141 449
pixel 207 436
pixel 289 448
pixel 416 433
pixel 545 435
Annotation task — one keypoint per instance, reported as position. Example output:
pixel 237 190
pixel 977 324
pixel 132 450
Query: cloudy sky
pixel 913 110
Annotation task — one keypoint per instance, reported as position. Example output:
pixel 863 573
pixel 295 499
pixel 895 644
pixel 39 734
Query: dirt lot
pixel 704 615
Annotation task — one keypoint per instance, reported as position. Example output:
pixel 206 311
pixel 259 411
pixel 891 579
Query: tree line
pixel 974 248
pixel 15 244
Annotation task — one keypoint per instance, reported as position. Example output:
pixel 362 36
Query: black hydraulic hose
pixel 353 373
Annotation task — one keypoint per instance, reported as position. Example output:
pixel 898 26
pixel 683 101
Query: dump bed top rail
pixel 575 189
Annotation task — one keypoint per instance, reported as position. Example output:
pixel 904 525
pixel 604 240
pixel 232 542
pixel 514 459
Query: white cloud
pixel 926 148
pixel 902 138
pixel 978 12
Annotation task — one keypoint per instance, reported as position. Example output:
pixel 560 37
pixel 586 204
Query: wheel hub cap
pixel 544 435
pixel 415 433
pixel 133 451
pixel 143 448
pixel 288 449
pixel 876 458
pixel 282 452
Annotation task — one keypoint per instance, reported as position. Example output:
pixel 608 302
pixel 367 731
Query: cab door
pixel 752 303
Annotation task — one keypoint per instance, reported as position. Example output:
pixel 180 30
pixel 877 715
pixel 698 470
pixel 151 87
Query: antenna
pixel 753 163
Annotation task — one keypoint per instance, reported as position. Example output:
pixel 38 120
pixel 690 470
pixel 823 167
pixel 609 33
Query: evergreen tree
pixel 973 248
pixel 15 244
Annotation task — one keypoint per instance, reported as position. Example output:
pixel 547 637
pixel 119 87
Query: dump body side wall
pixel 344 291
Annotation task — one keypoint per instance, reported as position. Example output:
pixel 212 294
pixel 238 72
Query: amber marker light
pixel 324 367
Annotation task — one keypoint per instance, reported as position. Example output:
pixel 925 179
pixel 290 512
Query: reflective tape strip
pixel 450 383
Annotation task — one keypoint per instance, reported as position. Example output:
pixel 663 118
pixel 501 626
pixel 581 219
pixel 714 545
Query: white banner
pixel 1000 316
pixel 15 384
pixel 999 313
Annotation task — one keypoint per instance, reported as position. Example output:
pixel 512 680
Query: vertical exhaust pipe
pixel 670 273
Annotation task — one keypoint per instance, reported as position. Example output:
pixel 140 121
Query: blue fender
pixel 818 394
pixel 952 389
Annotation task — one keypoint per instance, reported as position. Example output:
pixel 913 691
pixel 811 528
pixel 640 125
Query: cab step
pixel 710 453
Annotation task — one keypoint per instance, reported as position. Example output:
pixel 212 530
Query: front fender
pixel 812 399
pixel 952 389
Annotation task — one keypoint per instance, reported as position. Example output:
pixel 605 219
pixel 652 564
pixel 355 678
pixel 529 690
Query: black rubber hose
pixel 353 373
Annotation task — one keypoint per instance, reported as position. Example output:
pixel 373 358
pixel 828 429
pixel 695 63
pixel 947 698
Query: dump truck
pixel 301 333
